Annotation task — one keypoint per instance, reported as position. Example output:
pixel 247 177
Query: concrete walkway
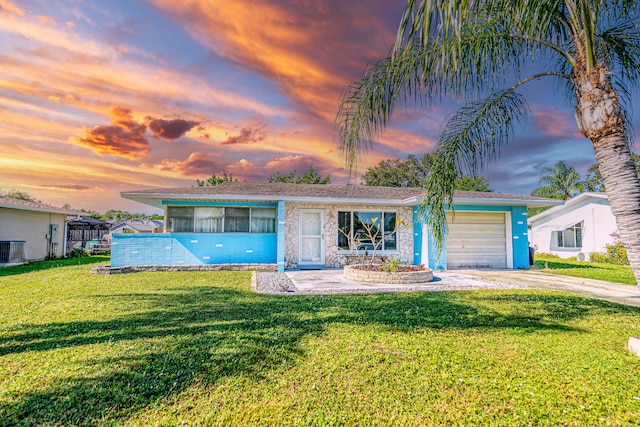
pixel 332 281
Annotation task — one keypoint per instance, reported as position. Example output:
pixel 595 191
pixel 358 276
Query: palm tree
pixel 559 182
pixel 464 49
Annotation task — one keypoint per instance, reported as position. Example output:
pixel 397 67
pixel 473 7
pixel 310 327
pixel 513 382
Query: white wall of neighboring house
pixel 34 228
pixel 591 210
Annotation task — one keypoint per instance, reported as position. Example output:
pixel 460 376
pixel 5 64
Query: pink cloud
pixel 197 164
pixel 246 136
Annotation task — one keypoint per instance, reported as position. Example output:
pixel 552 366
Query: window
pixel 208 220
pixel 221 220
pixel 263 220
pixel 570 237
pixel 236 220
pixel 354 226
pixel 180 219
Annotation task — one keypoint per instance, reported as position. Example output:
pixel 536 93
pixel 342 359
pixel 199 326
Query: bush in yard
pixel 78 253
pixel 616 253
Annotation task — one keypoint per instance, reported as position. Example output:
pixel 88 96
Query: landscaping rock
pixel 634 345
pixel 272 283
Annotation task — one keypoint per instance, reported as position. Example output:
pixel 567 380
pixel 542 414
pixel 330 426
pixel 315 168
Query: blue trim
pixel 205 203
pixel 520 237
pixel 281 230
pixel 417 237
pixel 436 263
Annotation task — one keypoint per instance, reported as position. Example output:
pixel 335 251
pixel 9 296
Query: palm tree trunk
pixel 600 119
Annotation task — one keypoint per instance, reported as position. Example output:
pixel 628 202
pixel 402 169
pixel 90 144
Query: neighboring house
pixel 137 226
pixel 583 225
pixel 31 231
pixel 297 226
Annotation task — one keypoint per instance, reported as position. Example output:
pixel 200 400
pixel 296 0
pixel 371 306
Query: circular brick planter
pixel 352 272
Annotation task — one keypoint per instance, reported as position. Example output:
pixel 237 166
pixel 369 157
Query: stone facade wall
pixel 335 257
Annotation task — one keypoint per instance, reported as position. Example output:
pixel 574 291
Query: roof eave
pixel 158 200
pixel 567 204
pixel 40 209
pixel 491 201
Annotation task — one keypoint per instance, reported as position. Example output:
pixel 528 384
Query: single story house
pixel 579 227
pixel 137 226
pixel 291 226
pixel 31 231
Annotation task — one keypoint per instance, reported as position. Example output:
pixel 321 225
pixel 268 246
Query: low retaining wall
pixel 205 267
pixel 351 272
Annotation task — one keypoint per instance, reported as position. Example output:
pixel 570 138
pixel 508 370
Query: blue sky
pixel 102 97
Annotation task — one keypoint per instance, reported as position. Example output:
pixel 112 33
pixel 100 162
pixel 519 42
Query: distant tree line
pixel 562 181
pixel 412 172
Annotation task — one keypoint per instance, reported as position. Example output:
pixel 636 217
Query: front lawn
pixel 191 348
pixel 588 270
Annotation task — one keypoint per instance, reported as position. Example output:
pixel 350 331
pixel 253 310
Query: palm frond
pixel 471 137
pixel 619 48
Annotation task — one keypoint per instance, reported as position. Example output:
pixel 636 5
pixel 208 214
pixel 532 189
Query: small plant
pixel 78 253
pixel 370 233
pixel 392 264
pixel 616 253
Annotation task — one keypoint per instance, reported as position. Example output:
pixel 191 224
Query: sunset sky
pixel 99 97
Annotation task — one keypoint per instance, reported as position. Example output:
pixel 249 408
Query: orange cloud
pixel 311 57
pixel 124 137
pixel 68 187
pixel 10 7
pixel 46 20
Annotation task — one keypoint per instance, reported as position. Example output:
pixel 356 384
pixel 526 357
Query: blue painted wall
pixel 281 240
pixel 519 236
pixel 193 249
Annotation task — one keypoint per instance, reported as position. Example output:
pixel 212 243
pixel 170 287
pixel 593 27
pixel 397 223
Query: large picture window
pixel 221 220
pixel 570 237
pixel 353 225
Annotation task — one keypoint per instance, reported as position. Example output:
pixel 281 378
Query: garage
pixel 476 239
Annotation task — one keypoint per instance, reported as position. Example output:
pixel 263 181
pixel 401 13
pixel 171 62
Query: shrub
pixel 78 253
pixel 616 253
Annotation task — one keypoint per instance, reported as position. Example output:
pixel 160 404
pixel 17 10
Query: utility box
pixel 53 231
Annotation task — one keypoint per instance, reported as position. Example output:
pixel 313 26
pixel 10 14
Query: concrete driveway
pixel 615 292
pixel 332 281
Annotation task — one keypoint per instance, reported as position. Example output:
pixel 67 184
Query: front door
pixel 311 237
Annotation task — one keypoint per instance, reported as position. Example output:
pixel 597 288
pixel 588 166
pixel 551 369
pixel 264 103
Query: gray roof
pixel 11 203
pixel 139 224
pixel 317 193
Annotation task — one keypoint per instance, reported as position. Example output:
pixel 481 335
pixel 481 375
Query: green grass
pixel 588 270
pixel 202 349
pixel 46 265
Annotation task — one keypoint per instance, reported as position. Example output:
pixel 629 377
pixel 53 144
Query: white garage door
pixel 476 239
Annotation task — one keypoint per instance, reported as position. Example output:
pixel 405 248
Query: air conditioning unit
pixel 12 251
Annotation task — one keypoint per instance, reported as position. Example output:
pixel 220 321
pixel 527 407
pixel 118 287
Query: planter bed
pixel 362 273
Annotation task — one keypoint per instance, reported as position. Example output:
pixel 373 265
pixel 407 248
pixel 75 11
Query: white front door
pixel 311 242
